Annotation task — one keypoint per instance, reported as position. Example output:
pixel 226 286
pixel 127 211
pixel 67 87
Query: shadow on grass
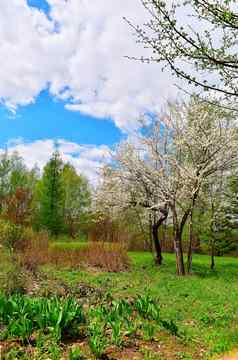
pixel 226 271
pixel 225 267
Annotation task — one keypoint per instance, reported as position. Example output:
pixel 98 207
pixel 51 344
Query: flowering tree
pixel 197 41
pixel 127 185
pixel 165 168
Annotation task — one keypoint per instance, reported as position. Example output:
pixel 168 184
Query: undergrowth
pixel 46 323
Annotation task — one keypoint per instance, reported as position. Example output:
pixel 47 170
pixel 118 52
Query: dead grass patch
pixel 108 257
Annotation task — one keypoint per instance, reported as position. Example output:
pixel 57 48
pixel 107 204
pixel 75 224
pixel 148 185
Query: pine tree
pixel 51 196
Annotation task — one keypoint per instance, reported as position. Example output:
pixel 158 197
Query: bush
pixel 11 235
pixel 16 279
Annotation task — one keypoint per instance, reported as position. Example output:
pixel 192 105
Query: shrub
pixel 16 280
pixel 11 235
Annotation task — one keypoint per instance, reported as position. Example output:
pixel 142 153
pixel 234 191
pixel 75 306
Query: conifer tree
pixel 51 196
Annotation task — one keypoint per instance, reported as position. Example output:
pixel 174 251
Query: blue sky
pixel 47 118
pixel 40 4
pixel 65 76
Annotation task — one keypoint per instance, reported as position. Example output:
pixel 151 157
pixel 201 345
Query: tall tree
pixel 16 188
pixel 51 195
pixel 77 199
pixel 5 173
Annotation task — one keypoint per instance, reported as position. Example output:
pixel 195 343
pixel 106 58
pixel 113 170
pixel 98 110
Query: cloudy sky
pixel 64 76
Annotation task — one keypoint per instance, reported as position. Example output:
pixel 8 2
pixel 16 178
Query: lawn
pixel 203 306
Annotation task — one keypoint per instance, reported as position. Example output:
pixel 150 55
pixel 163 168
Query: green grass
pixel 68 245
pixel 204 305
pixel 62 244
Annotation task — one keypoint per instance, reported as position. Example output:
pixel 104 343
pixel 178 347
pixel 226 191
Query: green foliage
pixel 16 280
pixel 77 200
pixel 15 353
pixel 194 305
pixel 61 199
pixel 149 330
pixel 117 332
pixel 50 196
pixel 148 307
pixel 10 234
pixel 15 178
pixel 186 301
pixel 97 340
pixel 170 326
pixel 48 347
pixel 22 315
pixel 75 353
pixel 52 320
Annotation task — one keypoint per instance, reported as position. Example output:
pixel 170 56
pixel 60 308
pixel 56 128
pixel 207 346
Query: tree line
pixel 58 200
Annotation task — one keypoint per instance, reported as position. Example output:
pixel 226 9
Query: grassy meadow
pixel 144 312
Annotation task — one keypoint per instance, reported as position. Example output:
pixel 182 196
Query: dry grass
pixel 109 257
pixel 35 251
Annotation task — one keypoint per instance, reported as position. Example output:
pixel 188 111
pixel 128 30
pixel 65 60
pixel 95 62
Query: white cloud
pixel 87 159
pixel 79 54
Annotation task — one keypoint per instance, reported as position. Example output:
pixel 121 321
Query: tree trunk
pixel 190 245
pixel 178 248
pixel 159 257
pixel 155 227
pixel 179 254
pixel 212 255
pixel 212 228
pixel 150 233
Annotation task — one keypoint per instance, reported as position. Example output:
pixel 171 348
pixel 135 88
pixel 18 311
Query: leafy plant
pixel 75 353
pixel 10 234
pixel 117 332
pixel 170 326
pixel 149 331
pixel 147 307
pixel 47 346
pixel 15 353
pixel 97 340
pixel 22 315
